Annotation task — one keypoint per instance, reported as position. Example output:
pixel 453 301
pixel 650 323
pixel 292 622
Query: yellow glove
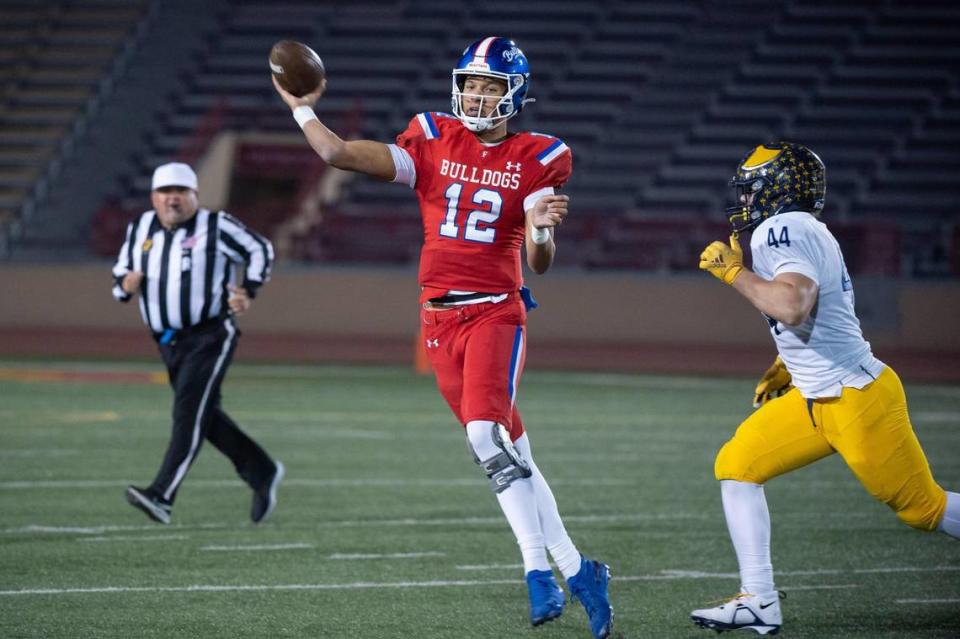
pixel 722 261
pixel 774 383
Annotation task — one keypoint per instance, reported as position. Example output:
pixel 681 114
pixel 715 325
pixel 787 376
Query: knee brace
pixel 506 466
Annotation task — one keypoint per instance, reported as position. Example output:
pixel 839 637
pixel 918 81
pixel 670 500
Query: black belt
pixel 453 298
pixel 171 334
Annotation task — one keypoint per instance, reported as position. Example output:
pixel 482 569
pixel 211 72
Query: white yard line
pixel 824 587
pixel 498 520
pixel 354 523
pixel 696 574
pixel 397 585
pixel 425 522
pixel 131 538
pixel 258 588
pixel 490 567
pixel 674 577
pixel 952 600
pixel 63 483
pixel 667 575
pixel 393 555
pixel 907 569
pixel 257 548
pixel 99 530
pixel 334 556
pixel 458 482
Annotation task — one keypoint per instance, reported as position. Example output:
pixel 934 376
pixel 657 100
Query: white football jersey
pixel 827 351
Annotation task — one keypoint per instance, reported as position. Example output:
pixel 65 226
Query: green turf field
pixel 385 527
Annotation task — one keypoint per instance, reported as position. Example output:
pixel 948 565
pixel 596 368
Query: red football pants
pixel 477 352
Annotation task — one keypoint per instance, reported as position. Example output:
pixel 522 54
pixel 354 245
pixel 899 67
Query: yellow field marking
pixel 78 417
pixel 51 375
pixel 30 375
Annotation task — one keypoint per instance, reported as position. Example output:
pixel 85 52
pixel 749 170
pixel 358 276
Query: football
pixel 297 67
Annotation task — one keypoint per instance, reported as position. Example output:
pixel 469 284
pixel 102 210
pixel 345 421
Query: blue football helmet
pixel 498 58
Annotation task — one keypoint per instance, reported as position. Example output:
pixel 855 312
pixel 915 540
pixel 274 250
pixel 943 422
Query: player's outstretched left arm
pixel 363 156
pixel 787 298
pixel 546 215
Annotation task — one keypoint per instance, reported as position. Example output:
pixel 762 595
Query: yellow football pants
pixel 870 429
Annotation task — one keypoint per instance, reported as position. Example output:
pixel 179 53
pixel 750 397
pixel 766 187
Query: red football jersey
pixel 472 201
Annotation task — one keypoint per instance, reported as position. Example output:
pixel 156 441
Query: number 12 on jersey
pixel 491 200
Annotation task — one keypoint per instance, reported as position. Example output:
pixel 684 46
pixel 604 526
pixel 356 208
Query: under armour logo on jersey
pixel 513 166
pixel 433 343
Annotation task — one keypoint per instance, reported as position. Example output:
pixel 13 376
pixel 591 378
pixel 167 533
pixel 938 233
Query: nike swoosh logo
pixel 767 605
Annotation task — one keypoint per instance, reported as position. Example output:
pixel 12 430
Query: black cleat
pixel 156 508
pixel 265 497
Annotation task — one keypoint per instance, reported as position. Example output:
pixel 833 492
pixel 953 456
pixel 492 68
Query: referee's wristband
pixel 540 236
pixel 303 114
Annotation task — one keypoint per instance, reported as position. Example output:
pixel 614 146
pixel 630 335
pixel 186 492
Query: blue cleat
pixel 590 587
pixel 546 597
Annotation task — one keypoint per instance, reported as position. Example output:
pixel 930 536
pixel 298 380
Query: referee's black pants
pixel 197 360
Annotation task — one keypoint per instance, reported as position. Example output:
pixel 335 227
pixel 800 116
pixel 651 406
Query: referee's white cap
pixel 174 174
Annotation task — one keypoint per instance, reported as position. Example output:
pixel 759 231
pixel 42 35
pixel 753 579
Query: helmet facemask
pixel 746 216
pixel 505 104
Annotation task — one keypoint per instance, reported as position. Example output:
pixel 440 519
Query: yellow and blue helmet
pixel 782 177
pixel 498 58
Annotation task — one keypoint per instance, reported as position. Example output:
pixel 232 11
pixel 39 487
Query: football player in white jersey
pixel 825 392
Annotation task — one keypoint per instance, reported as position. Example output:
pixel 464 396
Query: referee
pixel 181 260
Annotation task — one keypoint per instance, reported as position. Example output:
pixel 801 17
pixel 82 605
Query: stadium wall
pixel 623 321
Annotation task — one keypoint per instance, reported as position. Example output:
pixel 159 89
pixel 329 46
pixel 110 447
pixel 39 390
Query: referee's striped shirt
pixel 187 269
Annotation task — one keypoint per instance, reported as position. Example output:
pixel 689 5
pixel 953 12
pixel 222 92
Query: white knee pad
pixel 490 445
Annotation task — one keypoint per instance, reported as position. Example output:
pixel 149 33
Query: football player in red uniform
pixel 484 193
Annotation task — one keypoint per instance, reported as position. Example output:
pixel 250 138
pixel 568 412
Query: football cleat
pixel 589 586
pixel 265 497
pixel 156 508
pixel 760 613
pixel 546 597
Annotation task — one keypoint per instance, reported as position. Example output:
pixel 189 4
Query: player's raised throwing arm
pixel 363 156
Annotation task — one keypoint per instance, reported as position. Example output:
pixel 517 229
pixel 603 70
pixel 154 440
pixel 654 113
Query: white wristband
pixel 303 114
pixel 539 236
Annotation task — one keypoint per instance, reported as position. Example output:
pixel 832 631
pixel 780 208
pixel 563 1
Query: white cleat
pixel 760 613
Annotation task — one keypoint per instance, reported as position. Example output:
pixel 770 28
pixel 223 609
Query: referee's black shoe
pixel 157 509
pixel 265 497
